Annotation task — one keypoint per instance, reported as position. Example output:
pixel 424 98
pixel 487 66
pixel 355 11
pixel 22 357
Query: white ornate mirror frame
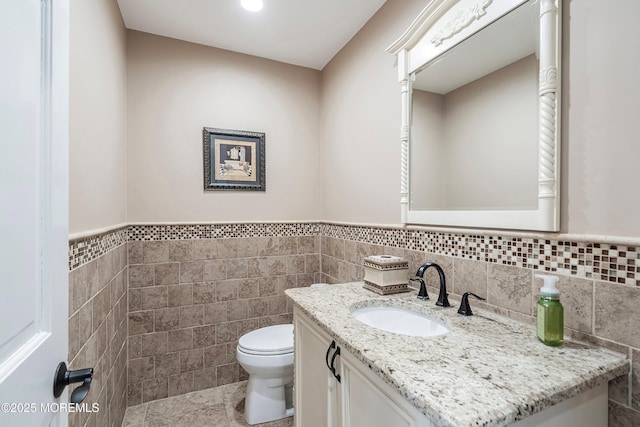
pixel 442 25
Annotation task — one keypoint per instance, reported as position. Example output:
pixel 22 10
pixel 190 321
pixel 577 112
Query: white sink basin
pixel 400 321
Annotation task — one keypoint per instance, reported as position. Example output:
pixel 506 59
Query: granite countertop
pixel 488 370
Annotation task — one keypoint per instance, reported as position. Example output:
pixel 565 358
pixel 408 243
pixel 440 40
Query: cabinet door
pixel 315 403
pixel 366 401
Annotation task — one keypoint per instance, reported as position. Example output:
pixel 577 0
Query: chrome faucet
pixel 443 301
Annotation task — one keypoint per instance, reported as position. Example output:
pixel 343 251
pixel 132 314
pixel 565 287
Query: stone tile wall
pixel 98 334
pixel 604 313
pixel 194 289
pixel 191 300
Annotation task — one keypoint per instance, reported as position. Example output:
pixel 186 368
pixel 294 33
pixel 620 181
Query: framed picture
pixel 233 160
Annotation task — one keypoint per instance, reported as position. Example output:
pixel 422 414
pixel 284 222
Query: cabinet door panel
pixel 366 406
pixel 360 400
pixel 314 385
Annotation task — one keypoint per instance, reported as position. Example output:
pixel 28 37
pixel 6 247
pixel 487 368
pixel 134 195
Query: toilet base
pixel 266 400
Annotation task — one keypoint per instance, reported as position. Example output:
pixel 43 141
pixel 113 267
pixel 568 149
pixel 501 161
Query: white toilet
pixel 267 355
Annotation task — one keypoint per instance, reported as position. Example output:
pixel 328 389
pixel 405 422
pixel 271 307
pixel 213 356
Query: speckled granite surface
pixel 488 370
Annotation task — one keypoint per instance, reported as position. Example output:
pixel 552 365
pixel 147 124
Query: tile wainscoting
pixel 98 332
pixel 191 300
pixel 193 289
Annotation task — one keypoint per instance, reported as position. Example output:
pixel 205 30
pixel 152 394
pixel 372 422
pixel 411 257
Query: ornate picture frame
pixel 233 160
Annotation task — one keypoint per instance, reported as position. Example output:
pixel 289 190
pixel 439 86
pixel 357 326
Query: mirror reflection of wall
pixel 474 130
pixel 476 146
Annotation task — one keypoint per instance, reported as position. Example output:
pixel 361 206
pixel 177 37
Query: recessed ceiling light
pixel 251 5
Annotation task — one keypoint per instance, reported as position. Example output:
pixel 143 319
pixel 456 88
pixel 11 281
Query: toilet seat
pixel 269 341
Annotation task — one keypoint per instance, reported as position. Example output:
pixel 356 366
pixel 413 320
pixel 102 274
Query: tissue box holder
pixel 386 274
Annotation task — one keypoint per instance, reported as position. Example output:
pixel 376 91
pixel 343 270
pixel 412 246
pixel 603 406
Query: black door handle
pixel 326 357
pixel 64 377
pixel 333 361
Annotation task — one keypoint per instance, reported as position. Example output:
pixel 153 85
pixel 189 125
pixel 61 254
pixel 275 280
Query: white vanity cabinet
pixel 351 395
pixel 487 370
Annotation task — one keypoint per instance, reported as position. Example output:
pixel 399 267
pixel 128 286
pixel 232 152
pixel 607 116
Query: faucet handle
pixel 465 308
pixel 422 293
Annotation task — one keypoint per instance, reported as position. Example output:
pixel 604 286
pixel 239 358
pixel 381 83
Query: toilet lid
pixel 271 340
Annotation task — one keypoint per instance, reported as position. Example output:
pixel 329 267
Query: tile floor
pixel 220 407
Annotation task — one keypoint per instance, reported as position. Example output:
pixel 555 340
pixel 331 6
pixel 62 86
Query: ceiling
pixel 301 32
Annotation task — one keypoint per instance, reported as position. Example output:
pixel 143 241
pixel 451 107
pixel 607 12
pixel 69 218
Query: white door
pixel 33 208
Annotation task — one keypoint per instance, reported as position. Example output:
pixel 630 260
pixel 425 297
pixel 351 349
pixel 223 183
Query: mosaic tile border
pixel 220 231
pixel 376 235
pixel 86 249
pixel 608 262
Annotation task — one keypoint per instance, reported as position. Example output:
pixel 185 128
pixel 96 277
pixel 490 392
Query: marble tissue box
pixel 386 274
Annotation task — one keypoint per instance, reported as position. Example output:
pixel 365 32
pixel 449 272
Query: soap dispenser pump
pixel 550 314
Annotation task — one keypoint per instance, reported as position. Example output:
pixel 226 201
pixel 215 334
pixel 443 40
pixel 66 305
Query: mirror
pixel 481 115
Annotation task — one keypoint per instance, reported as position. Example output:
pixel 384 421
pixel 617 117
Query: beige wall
pixel 601 101
pixel 361 122
pixel 177 88
pixel 98 116
pixel 345 118
pixel 601 110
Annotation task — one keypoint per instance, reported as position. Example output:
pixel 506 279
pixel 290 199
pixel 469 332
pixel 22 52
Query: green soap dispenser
pixel 550 314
